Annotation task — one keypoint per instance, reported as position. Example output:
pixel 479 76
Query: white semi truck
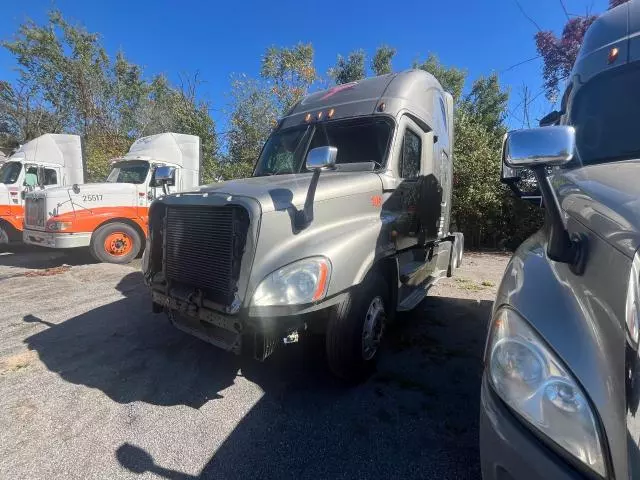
pixel 51 160
pixel 111 217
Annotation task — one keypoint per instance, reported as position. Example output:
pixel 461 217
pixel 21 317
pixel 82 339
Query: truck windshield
pixel 9 172
pixel 357 141
pixel 129 172
pixel 604 113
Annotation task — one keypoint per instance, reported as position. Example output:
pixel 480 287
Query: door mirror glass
pixel 321 157
pixel 164 174
pixel 545 146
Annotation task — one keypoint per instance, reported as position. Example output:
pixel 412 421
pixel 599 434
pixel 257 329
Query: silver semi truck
pixel 344 222
pixel 561 385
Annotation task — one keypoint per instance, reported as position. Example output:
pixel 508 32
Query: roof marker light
pixel 331 113
pixel 613 54
pixel 319 115
pixel 307 118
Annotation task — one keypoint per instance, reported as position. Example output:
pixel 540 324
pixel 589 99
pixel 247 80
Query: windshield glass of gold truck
pixel 604 113
pixel 359 140
pixel 129 172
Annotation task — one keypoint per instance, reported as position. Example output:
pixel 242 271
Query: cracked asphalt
pixel 93 385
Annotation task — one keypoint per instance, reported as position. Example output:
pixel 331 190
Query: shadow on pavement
pixel 417 417
pixel 37 258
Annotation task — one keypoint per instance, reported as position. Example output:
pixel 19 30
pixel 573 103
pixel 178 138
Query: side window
pixel 50 177
pixel 411 154
pixel 444 115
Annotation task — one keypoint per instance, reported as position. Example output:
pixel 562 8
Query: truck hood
pixel 278 192
pixel 104 188
pixel 606 199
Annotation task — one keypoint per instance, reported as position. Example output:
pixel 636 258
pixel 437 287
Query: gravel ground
pixel 92 385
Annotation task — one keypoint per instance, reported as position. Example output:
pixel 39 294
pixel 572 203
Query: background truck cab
pixel 111 217
pixel 561 385
pixel 48 161
pixel 345 220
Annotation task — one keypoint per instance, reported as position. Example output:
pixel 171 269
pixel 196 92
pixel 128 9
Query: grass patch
pixel 17 362
pixel 487 283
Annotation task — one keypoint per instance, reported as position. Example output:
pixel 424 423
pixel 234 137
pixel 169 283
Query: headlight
pixel 58 226
pixel 304 281
pixel 633 301
pixel 530 378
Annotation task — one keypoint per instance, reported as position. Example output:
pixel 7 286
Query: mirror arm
pixel 561 247
pixel 304 217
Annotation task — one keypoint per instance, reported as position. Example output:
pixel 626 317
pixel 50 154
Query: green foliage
pixel 487 104
pixel 451 78
pixel 291 72
pixel 69 83
pixel 381 61
pixel 252 119
pixel 349 69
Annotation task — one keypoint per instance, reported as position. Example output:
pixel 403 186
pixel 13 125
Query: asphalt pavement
pixel 93 385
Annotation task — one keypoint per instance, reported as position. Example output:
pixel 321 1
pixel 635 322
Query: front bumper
pixel 56 240
pixel 509 451
pixel 265 327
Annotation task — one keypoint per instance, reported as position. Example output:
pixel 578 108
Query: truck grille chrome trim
pixel 35 214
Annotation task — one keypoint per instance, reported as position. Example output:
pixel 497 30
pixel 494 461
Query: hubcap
pixel 118 244
pixel 373 328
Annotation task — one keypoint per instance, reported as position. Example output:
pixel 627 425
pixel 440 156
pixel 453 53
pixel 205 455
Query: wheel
pixel 8 234
pixel 115 243
pixel 356 327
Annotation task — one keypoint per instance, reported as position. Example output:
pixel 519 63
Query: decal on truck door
pixel 94 197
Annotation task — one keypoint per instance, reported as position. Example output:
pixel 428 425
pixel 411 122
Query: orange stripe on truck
pixel 14 214
pixel 83 221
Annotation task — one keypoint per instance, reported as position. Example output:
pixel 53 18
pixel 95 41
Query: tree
pixel 22 116
pixel 487 104
pixel 559 54
pixel 349 69
pixel 68 83
pixel 252 118
pixel 381 61
pixel 291 72
pixel 451 78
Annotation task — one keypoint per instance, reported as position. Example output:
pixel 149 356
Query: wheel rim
pixel 118 244
pixel 4 237
pixel 373 328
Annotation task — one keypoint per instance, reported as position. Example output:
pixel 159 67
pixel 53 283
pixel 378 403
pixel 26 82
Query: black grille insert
pixel 203 248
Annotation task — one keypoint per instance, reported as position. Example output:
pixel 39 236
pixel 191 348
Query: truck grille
pixel 204 247
pixel 34 212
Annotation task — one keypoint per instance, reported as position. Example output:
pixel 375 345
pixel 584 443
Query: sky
pixel 219 38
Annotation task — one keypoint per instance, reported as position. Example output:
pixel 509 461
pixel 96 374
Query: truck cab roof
pixel 389 94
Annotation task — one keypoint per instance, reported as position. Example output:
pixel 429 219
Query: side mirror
pixel 165 174
pixel 321 157
pixel 539 147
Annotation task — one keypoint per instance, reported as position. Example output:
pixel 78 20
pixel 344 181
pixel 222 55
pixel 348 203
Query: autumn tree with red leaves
pixel 559 53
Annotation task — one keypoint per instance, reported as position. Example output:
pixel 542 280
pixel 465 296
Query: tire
pixel 115 243
pixel 347 355
pixel 8 234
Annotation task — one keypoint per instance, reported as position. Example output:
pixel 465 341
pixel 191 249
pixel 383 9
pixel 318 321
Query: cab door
pixel 413 167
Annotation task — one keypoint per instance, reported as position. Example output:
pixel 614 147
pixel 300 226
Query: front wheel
pixel 356 328
pixel 115 243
